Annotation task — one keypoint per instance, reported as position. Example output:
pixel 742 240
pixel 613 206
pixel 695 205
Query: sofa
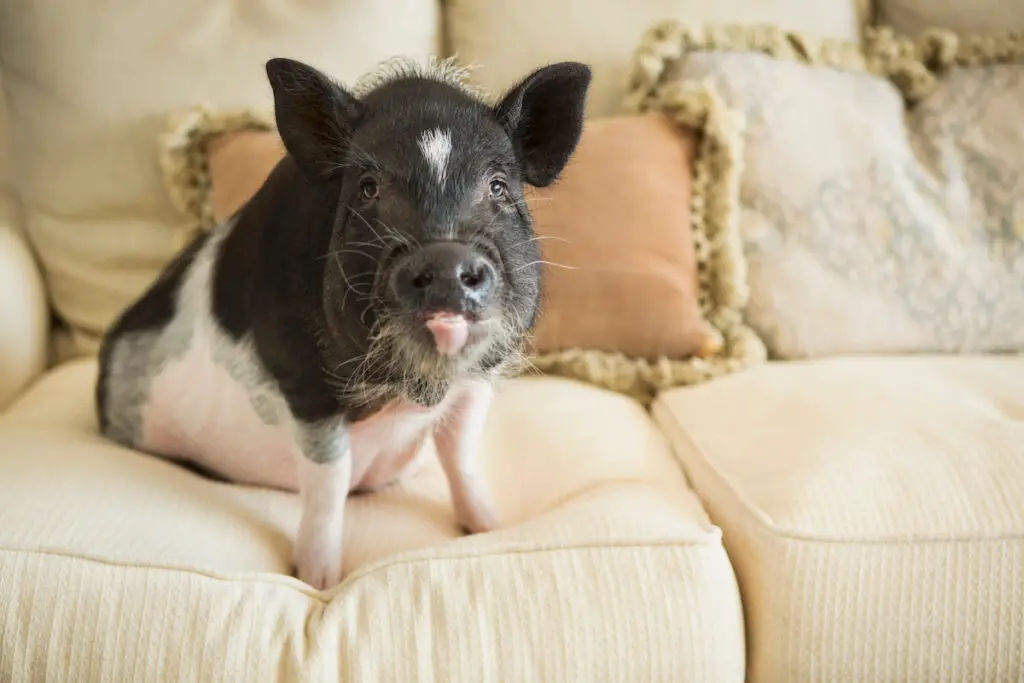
pixel 841 516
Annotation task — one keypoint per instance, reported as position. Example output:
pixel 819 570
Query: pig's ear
pixel 314 115
pixel 543 115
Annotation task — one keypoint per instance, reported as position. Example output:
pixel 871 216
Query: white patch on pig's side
pixel 207 398
pixel 436 145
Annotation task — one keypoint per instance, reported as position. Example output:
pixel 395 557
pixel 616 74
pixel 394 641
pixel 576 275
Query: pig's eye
pixel 368 189
pixel 498 188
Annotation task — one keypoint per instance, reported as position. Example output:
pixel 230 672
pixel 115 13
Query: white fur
pixel 436 145
pixel 324 490
pixel 459 441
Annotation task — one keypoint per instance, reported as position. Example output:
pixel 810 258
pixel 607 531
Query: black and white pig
pixel 364 300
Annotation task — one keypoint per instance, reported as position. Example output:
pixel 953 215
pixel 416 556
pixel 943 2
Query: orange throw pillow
pixel 616 231
pixel 621 272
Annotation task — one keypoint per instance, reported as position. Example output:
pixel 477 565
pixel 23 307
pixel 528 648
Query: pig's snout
pixel 444 277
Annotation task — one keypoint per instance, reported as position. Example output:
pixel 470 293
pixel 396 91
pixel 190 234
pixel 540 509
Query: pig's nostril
pixel 443 275
pixel 472 277
pixel 423 279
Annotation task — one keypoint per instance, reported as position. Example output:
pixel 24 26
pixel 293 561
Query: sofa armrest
pixel 24 314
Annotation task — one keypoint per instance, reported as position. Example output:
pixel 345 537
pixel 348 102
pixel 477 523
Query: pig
pixel 366 299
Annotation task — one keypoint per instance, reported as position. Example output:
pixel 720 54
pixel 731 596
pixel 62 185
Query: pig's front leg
pixel 324 475
pixel 459 441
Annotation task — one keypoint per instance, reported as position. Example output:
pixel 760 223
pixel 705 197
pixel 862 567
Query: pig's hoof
pixel 319 569
pixel 478 521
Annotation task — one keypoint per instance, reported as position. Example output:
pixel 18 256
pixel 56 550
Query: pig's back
pixel 173 383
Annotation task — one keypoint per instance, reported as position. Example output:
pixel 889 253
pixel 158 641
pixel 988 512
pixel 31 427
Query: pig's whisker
pixel 396 237
pixel 527 366
pixel 362 316
pixel 348 284
pixel 339 366
pixel 363 155
pixel 539 238
pixel 337 166
pixel 362 383
pixel 407 240
pixel 357 252
pixel 377 234
pixel 372 244
pixel 549 263
pixel 338 252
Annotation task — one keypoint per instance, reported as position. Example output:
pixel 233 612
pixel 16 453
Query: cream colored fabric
pixel 913 17
pixel 508 43
pixel 868 228
pixel 873 509
pixel 90 86
pixel 24 316
pixel 119 566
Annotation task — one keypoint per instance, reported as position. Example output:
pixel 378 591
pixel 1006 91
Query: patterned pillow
pixel 881 201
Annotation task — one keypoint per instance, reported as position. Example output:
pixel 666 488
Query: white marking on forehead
pixel 436 145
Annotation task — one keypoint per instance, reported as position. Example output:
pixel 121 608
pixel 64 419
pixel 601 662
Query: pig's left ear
pixel 315 116
pixel 543 115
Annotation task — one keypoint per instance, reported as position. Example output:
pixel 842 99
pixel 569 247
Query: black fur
pixel 306 270
pixel 268 282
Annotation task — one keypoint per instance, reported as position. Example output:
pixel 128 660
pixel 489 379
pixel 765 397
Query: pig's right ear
pixel 315 116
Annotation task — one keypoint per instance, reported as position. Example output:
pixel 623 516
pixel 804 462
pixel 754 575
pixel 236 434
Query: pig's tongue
pixel 450 332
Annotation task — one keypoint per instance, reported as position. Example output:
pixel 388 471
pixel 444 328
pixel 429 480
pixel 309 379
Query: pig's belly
pixel 197 412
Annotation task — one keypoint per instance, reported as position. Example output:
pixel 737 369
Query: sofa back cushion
pixel 89 86
pixel 913 17
pixel 505 43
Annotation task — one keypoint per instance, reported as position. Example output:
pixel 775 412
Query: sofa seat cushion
pixel 116 565
pixel 873 509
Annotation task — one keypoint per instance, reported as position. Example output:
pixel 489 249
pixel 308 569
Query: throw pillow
pixel 621 272
pixel 880 203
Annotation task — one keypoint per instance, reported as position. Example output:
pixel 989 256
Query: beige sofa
pixel 845 519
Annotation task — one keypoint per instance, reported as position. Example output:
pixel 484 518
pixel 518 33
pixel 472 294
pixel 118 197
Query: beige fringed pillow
pixel 881 204
pixel 652 293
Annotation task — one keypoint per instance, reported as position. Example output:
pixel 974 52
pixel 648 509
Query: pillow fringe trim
pixel 913 65
pixel 185 161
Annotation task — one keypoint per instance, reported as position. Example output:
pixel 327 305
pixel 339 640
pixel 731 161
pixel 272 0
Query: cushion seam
pixel 262 578
pixel 660 408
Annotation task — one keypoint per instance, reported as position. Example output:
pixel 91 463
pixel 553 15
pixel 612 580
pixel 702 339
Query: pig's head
pixel 432 263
